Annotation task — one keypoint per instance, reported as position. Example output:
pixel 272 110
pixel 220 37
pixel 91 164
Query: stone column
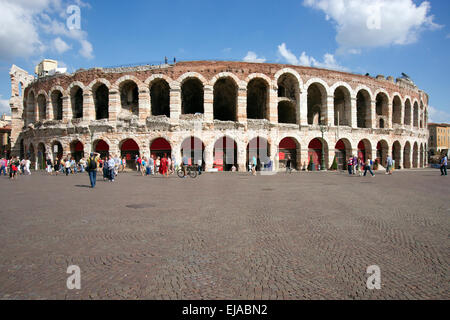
pixel 208 156
pixel 273 106
pixel 389 116
pixel 66 109
pixel 114 104
pixel 303 114
pixel 175 103
pixel 304 156
pixel 242 105
pixel 353 113
pixel 208 101
pixel 144 104
pixel 300 159
pixel 49 110
pixel 242 157
pixel 88 107
pixel 329 118
pixel 371 115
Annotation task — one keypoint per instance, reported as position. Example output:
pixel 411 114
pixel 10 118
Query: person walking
pixel 91 168
pixel 49 166
pixel 67 164
pixel 389 164
pixel 367 167
pixel 111 168
pixel 3 164
pixel 350 165
pixel 359 168
pixel 104 166
pixel 27 167
pixel 354 164
pixel 288 164
pixel 56 166
pixel 185 165
pixel 444 163
pixel 164 167
pixel 143 165
pixel 254 165
pixel 199 166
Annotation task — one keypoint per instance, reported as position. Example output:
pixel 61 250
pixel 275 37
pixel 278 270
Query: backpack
pixel 92 164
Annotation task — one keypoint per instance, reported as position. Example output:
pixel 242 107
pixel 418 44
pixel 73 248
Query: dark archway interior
pixel 192 96
pixel 342 107
pixel 160 98
pixel 225 99
pixel 315 105
pixel 57 105
pixel 77 102
pixel 257 99
pixel 129 98
pixel 416 115
pixel 42 105
pixel 286 112
pixel 362 106
pixel 101 101
pixel 397 110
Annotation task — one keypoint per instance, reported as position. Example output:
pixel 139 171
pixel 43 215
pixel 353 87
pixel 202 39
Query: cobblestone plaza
pixel 226 236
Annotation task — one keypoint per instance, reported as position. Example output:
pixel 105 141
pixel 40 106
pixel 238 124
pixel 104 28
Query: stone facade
pixel 210 100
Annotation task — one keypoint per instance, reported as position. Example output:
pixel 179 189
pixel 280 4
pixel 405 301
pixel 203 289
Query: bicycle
pixel 191 171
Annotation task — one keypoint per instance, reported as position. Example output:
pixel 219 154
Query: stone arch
pixel 421 116
pixel 382 152
pixel 77 149
pixel 288 97
pixel 289 147
pixel 225 100
pixel 57 149
pixel 315 148
pixel 159 89
pixel 342 105
pixel 97 82
pixel 42 99
pixel 159 146
pixel 101 146
pixel 126 78
pixel 193 148
pixel 415 155
pixel 364 150
pixel 192 95
pixel 129 96
pixel 381 108
pixel 190 75
pixel 258 98
pixel 396 110
pixel 317 102
pixel 41 155
pixel 56 94
pixel 415 114
pixel 225 154
pixel 172 83
pixel 421 156
pixel 129 149
pixel 397 154
pixel 31 106
pixel 407 155
pixel 76 90
pixel 238 81
pixel 408 113
pixel 258 147
pixel 343 150
pixel 31 155
pixel 292 72
pixel 100 94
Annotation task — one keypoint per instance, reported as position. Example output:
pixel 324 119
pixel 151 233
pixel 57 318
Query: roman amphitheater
pixel 221 111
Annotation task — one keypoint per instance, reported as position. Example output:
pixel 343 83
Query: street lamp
pixel 323 128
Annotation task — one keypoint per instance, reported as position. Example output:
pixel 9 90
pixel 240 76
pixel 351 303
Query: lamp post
pixel 323 128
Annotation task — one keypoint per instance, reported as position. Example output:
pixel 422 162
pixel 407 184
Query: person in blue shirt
pixel 444 163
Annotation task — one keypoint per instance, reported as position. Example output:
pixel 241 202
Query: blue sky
pixel 375 36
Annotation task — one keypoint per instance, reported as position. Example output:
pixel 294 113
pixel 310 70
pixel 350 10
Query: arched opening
pixel 317 104
pixel 225 154
pixel 382 109
pixel 258 149
pixel 289 149
pixel 407 112
pixel 364 150
pixel 102 148
pixel 101 101
pixel 287 112
pixel 57 105
pixel 193 148
pixel 77 150
pixel 160 98
pixel 407 156
pixel 415 155
pixel 22 149
pixel 397 111
pixel 343 150
pixel 397 154
pixel 129 98
pixel 421 155
pixel 31 103
pixel 76 98
pixel 315 153
pixel 41 156
pixel 32 156
pixel 421 119
pixel 42 106
pixel 57 150
pixel 382 153
pixel 363 109
pixel 257 99
pixel 225 99
pixel 19 88
pixel 416 115
pixel 160 147
pixel 192 96
pixel 288 98
pixel 342 107
pixel 130 150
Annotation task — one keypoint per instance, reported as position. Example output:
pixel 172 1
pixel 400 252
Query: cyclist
pixel 185 165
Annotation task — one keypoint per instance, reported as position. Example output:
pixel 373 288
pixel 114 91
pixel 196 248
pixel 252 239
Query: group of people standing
pixel 156 165
pixel 356 165
pixel 14 167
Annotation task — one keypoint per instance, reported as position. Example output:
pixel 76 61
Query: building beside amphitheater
pixel 224 110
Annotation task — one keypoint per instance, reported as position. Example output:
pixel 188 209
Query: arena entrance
pixel 42 156
pixel 57 151
pixel 407 156
pixel 130 149
pixel 397 154
pixel 32 156
pixel 288 149
pixel 193 148
pixel 315 154
pixel 102 148
pixel 160 147
pixel 259 148
pixel 77 150
pixel 225 154
pixel 364 150
pixel 343 150
pixel 382 152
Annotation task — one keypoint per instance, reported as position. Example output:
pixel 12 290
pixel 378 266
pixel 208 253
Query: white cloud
pixel 25 27
pixel 253 57
pixel 375 23
pixel 329 62
pixel 4 106
pixel 438 115
pixel 60 45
